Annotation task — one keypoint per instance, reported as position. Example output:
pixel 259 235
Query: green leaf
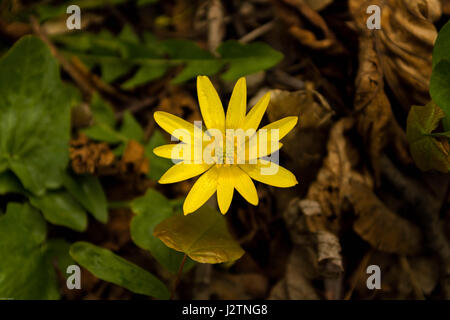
pixel 108 266
pixel 150 210
pixel 9 183
pixel 154 57
pixel 147 73
pixel 441 134
pixel 246 59
pixel 441 50
pixel 26 270
pixel 34 116
pixel 102 111
pixel 202 235
pixel 197 61
pixel 59 208
pixel 89 192
pixel 440 88
pixel 427 151
pixel 157 165
pixel 131 128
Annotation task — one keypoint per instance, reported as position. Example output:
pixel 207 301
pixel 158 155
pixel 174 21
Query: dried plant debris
pixel 403 45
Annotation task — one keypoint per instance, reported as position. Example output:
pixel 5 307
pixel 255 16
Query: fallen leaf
pixel 404 44
pixel 378 225
pixel 202 235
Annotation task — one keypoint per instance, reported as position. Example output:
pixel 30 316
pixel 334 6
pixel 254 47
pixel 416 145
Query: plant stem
pixel 177 279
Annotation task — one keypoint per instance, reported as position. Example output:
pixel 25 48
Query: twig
pixel 66 65
pixel 216 24
pixel 177 279
pixel 258 32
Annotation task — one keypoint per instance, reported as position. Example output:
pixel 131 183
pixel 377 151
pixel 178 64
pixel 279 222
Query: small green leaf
pixel 9 183
pixel 102 111
pixel 34 115
pixel 245 59
pixel 202 235
pixel 441 50
pixel 89 192
pixel 131 128
pixel 157 165
pixel 427 151
pixel 147 73
pixel 108 266
pixel 150 210
pixel 58 207
pixel 26 270
pixel 440 88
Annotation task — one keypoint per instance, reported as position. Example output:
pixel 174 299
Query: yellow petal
pixel 167 151
pixel 237 105
pixel 225 189
pixel 255 115
pixel 177 127
pixel 244 185
pixel 201 191
pixel 270 173
pixel 183 171
pixel 283 125
pixel 255 151
pixel 210 104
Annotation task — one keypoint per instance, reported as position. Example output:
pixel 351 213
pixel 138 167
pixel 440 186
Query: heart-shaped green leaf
pixel 427 151
pixel 34 116
pixel 26 268
pixel 202 235
pixel 60 208
pixel 89 192
pixel 108 266
pixel 150 210
pixel 440 89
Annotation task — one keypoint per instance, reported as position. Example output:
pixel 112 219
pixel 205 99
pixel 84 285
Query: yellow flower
pixel 224 173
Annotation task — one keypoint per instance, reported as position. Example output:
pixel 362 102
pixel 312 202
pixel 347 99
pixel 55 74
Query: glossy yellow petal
pixel 210 104
pixel 201 191
pixel 237 105
pixel 183 171
pixel 255 115
pixel 270 173
pixel 225 188
pixel 283 125
pixel 244 185
pixel 257 150
pixel 177 127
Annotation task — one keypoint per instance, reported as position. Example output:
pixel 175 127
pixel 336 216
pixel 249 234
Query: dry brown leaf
pixel 332 182
pixel 305 145
pixel 404 44
pixel 293 11
pixel 300 271
pixel 378 225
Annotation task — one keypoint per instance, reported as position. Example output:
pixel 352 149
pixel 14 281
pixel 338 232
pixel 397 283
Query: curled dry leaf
pixel 404 44
pixel 305 145
pixel 378 225
pixel 293 11
pixel 376 122
pixel 332 182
